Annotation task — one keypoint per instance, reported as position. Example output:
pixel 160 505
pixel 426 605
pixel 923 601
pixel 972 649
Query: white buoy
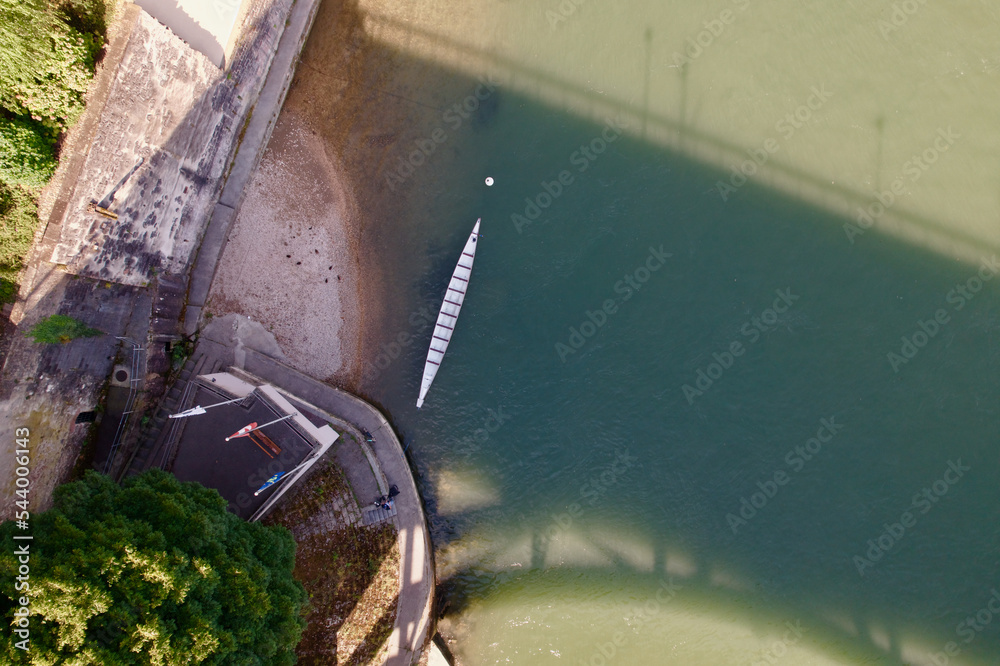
pixel 489 181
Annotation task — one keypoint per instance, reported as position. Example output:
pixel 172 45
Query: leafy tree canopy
pixel 152 572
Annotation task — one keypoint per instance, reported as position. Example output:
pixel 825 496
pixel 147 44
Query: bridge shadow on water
pixel 537 509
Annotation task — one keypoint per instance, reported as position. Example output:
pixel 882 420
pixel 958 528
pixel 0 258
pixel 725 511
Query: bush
pixel 18 221
pixel 54 92
pixel 60 328
pixel 48 51
pixel 27 153
pixel 45 65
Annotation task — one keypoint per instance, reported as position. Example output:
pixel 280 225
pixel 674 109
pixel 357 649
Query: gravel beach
pixel 290 262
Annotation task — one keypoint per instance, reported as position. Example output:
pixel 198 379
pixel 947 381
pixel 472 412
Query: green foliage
pixel 179 352
pixel 153 572
pixel 48 50
pixel 27 153
pixel 86 17
pixel 22 45
pixel 54 91
pixel 45 65
pixel 8 290
pixel 18 222
pixel 60 328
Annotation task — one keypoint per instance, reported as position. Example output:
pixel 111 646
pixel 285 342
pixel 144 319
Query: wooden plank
pixel 262 441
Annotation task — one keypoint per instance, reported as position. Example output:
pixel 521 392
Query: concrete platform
pixel 416 595
pixel 239 467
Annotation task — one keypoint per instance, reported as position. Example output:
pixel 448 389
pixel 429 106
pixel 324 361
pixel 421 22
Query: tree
pixel 152 572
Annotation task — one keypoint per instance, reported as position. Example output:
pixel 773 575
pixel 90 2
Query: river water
pixel 723 389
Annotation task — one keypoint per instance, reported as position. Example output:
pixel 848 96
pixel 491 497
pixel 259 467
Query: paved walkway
pixel 416 575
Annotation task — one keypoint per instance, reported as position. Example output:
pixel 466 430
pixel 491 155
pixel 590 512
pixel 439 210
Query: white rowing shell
pixel 452 305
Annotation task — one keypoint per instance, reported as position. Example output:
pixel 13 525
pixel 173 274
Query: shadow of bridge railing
pixel 682 136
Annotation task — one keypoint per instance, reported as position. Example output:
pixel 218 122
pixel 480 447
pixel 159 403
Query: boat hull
pixel 451 306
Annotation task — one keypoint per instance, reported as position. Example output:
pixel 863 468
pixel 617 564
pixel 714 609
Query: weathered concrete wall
pixel 45 386
pixel 171 106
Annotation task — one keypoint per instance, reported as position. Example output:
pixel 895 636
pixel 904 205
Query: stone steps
pixel 375 515
pixel 336 514
pixel 156 438
pixel 168 304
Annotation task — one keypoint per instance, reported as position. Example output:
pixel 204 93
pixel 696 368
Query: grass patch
pixel 18 223
pixel 60 329
pixel 351 575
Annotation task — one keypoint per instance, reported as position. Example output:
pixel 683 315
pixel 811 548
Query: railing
pixel 134 380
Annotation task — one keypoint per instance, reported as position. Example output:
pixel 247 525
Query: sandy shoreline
pixel 319 165
pixel 320 187
pixel 291 259
pixel 368 107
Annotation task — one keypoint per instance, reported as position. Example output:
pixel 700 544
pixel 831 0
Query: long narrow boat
pixel 452 305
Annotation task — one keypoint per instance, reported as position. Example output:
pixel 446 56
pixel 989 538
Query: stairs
pixel 168 304
pixel 156 442
pixel 374 515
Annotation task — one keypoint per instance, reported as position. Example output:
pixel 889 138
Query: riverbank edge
pixel 411 631
pixel 47 387
pixel 416 571
pixel 249 153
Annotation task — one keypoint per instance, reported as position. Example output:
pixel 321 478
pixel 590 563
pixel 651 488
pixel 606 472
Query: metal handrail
pixel 129 402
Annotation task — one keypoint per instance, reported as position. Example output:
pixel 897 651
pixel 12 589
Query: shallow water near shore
pixel 698 408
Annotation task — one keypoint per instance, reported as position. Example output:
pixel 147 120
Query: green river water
pixel 724 387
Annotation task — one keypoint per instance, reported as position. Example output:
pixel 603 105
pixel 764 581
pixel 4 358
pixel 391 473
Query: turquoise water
pixel 689 417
